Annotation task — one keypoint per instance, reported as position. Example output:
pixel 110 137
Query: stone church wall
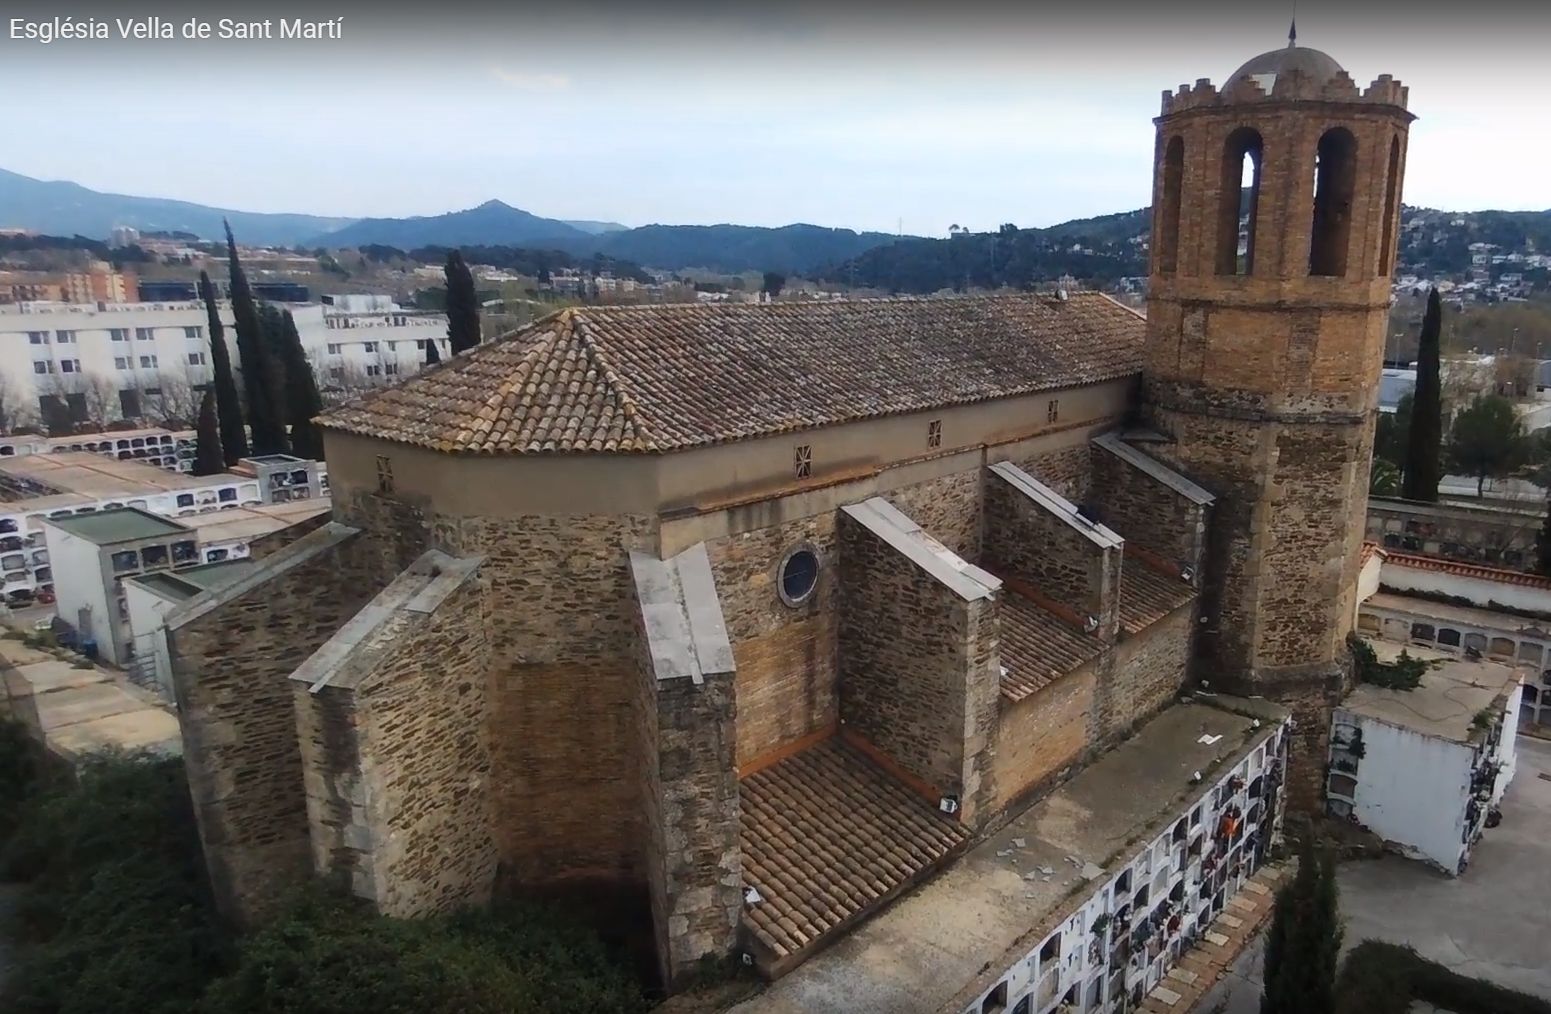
pixel 785 654
pixel 1149 672
pixel 402 764
pixel 231 665
pixel 919 668
pixel 1146 512
pixel 1040 738
pixel 948 508
pixel 565 792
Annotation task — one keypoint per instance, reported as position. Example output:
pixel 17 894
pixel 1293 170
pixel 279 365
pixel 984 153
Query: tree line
pixel 1484 438
pixel 275 409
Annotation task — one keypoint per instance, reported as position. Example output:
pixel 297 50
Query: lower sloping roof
pixel 1147 596
pixel 1038 647
pixel 827 837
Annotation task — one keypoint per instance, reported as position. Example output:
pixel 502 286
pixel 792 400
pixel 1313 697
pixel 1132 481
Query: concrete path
pixel 1488 924
pixel 77 711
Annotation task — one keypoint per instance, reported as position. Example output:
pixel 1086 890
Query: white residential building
pixel 1424 768
pixel 103 360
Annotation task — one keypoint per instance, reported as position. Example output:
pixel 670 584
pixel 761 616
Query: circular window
pixel 799 575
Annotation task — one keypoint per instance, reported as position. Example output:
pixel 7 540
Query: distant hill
pixel 68 209
pixel 793 249
pixel 1095 250
pixel 492 223
pixel 597 228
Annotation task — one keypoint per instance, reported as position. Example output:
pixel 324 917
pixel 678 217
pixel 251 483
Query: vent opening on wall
pixel 802 461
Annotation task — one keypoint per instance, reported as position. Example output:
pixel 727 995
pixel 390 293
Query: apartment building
pixel 100 362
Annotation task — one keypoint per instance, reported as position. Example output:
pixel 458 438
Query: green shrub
pixel 331 955
pixel 116 908
pixel 1381 978
pixel 118 920
pixel 19 776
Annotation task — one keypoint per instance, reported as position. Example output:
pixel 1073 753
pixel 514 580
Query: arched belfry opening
pixel 1239 202
pixel 1335 181
pixel 1391 209
pixel 1168 209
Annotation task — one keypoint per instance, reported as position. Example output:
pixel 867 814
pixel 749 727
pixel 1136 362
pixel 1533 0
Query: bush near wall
pixel 1380 978
pixel 117 918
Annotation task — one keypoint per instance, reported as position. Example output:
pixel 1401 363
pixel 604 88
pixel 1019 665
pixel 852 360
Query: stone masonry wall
pixel 919 668
pixel 230 673
pixel 1146 512
pixel 1029 543
pixel 1040 737
pixel 565 792
pixel 947 508
pixel 1068 471
pixel 328 738
pixel 785 654
pixel 693 816
pixel 424 771
pixel 1149 672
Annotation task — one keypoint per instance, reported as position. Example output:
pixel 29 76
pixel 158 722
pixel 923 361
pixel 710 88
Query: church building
pixel 1017 619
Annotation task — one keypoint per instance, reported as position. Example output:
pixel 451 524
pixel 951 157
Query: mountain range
pixel 63 208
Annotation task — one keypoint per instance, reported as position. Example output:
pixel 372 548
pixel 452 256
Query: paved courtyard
pixel 1489 924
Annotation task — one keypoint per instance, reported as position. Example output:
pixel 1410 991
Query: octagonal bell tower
pixel 1276 204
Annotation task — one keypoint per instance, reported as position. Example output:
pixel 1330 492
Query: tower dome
pixel 1313 64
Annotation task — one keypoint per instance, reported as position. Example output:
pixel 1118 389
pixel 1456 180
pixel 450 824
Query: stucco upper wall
pixel 470 485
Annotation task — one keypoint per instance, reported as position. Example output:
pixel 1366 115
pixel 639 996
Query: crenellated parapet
pixel 1289 86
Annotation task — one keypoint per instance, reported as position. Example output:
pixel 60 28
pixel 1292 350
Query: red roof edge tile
pixel 1502 575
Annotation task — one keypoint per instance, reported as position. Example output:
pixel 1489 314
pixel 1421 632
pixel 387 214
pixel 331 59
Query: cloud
pixel 531 82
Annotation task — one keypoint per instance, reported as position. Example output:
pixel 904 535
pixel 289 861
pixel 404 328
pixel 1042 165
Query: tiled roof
pixel 828 835
pixel 1370 548
pixel 664 377
pixel 1038 647
pixel 1147 596
pixel 1475 570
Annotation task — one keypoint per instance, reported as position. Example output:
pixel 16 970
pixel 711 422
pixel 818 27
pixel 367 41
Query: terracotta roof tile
pixel 664 377
pixel 1147 595
pixel 1370 548
pixel 828 835
pixel 1476 570
pixel 1038 647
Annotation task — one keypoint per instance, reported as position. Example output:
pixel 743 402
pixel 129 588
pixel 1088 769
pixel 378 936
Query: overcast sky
pixel 881 117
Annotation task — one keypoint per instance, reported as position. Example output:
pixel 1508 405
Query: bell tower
pixel 1276 204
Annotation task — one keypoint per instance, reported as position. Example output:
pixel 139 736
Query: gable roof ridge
pixel 617 389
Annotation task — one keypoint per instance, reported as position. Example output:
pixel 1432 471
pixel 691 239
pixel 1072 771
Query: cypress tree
pixel 228 407
pixel 208 459
pixel 1423 465
pixel 1304 940
pixel 462 304
pixel 260 373
pixel 302 401
pixel 433 355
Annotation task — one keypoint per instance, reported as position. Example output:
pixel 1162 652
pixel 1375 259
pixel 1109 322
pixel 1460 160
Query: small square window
pixel 384 474
pixel 374 369
pixel 42 367
pixel 369 347
pixel 803 461
pixel 120 363
pixel 118 334
pixel 38 337
pixel 64 337
pixel 334 348
pixel 934 433
pixel 196 359
pixel 193 332
pixel 144 334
